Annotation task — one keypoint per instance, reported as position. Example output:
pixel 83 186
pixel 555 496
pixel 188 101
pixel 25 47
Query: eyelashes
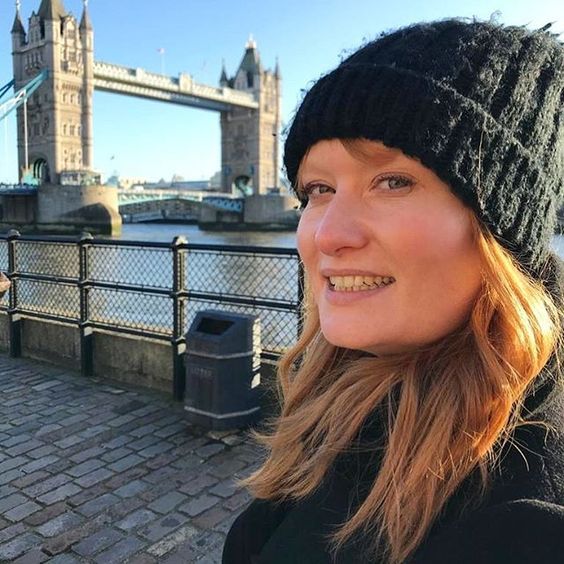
pixel 385 183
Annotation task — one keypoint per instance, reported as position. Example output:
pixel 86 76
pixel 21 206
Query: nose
pixel 341 227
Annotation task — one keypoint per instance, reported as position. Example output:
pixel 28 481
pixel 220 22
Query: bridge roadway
pixel 96 472
pixel 181 90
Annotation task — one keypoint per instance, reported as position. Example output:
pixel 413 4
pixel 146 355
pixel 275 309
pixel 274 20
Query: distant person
pixel 423 405
pixel 4 284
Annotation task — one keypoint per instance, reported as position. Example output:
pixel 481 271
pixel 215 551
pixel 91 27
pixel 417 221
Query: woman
pixel 423 410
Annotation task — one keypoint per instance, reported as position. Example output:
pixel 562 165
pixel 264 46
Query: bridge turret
pixel 51 10
pixel 18 30
pixel 249 146
pixel 223 80
pixel 250 69
pixel 87 40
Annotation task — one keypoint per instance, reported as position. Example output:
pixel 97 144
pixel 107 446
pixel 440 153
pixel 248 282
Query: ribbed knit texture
pixel 480 104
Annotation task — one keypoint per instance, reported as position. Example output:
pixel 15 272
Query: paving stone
pixel 22 448
pixel 156 530
pixel 142 559
pixel 209 450
pixel 208 542
pixel 35 556
pixel 85 467
pixel 42 487
pixel 45 429
pixel 11 501
pixel 198 504
pixel 117 442
pixel 83 455
pixel 168 502
pixel 156 449
pixel 136 519
pixel 120 551
pixel 162 475
pixel 68 441
pixel 59 524
pixel 11 532
pixel 172 541
pixel 227 468
pixel 187 462
pixel 126 463
pixel 17 546
pixel 131 489
pixel 64 559
pixel 93 431
pixel 210 518
pixel 94 477
pixel 225 489
pixel 58 494
pixel 145 430
pixel 97 542
pixel 125 477
pixel 41 451
pixel 39 463
pixel 170 430
pixel 13 463
pixel 22 511
pixel 195 486
pixel 15 440
pixel 115 454
pixel 144 442
pixel 134 462
pixel 161 460
pixel 46 514
pixel 121 420
pixel 98 504
pixel 86 495
pixel 7 477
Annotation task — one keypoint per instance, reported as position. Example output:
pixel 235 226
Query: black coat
pixel 520 521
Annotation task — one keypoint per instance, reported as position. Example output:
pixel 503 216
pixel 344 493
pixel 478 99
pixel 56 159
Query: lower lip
pixel 343 297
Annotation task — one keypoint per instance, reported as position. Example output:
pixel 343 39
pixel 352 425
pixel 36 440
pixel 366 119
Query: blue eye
pixel 394 182
pixel 316 189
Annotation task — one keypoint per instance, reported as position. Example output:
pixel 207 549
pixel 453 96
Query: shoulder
pixel 520 532
pixel 251 530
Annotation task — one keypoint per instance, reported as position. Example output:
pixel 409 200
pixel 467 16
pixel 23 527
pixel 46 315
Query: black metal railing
pixel 148 289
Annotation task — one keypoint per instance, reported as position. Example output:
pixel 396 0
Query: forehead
pixel 325 155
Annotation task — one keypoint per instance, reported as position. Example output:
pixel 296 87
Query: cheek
pixel 440 251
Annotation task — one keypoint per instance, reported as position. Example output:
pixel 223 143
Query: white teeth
pixel 359 283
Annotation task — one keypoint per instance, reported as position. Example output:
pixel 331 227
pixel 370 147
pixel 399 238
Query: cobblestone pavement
pixel 96 472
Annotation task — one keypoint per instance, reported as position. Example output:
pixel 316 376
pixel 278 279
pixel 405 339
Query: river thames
pixel 165 232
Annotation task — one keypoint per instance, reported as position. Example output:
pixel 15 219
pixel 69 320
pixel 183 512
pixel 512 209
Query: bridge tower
pixel 249 137
pixel 59 114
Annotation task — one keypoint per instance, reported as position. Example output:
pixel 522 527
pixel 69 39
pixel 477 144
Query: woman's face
pixel 388 249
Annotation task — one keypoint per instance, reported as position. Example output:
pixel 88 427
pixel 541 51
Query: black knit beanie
pixel 480 104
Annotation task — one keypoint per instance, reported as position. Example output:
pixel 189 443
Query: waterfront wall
pixel 134 361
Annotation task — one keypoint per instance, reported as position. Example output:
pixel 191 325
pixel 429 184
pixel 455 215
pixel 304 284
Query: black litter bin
pixel 222 370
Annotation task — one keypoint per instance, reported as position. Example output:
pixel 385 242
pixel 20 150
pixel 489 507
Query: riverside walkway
pixel 92 471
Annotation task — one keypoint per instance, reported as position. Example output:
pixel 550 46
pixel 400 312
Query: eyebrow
pixel 378 157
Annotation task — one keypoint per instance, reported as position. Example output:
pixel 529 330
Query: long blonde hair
pixel 449 407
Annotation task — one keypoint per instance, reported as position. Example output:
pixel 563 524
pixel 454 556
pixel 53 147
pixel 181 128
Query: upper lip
pixel 328 272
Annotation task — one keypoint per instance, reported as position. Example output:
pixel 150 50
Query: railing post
pixel 14 318
pixel 178 339
pixel 85 327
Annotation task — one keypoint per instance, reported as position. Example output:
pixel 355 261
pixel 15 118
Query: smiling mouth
pixel 359 283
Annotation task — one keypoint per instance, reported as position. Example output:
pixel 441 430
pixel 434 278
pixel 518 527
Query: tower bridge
pixel 54 123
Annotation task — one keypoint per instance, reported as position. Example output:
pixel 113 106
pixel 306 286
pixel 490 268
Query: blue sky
pixel 153 140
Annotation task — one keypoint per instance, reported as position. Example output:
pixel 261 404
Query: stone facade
pixel 59 114
pixel 249 137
